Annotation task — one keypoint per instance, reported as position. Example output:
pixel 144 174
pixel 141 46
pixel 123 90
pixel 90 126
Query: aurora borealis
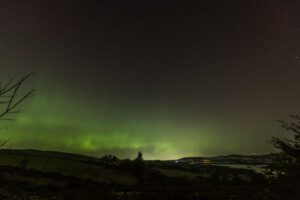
pixel 170 78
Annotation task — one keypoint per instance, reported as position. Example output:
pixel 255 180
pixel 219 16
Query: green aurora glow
pixel 56 123
pixel 197 78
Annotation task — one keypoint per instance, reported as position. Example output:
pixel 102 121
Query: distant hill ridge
pixel 74 156
pixel 232 155
pixel 234 158
pixel 34 152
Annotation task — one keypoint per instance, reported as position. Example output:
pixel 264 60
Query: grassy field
pixel 74 164
pixel 67 165
pixel 179 173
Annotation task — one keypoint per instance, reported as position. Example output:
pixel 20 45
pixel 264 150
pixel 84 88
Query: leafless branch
pixel 12 100
pixel 2 143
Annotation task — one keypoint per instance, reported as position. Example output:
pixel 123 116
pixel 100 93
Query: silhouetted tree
pixel 10 99
pixel 139 166
pixel 139 157
pixel 290 147
pixel 287 185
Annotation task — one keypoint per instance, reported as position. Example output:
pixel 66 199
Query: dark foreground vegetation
pixel 35 174
pixel 19 183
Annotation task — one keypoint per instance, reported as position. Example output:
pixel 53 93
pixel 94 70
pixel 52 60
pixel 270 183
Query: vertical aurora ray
pixel 195 79
pixel 51 124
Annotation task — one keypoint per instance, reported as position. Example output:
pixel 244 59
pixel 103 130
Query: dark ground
pixel 24 182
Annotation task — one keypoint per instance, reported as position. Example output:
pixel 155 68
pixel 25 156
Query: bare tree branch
pixel 11 98
pixel 7 89
pixel 2 143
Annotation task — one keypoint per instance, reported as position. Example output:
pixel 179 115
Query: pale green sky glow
pixel 193 79
pixel 51 124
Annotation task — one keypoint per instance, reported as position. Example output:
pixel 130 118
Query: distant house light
pixel 206 161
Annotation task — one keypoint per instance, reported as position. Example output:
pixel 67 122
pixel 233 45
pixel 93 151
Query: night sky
pixel 170 78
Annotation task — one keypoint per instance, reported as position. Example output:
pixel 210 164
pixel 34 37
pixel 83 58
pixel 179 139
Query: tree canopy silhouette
pixel 290 147
pixel 287 185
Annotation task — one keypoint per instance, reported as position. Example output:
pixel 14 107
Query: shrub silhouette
pixel 24 163
pixel 109 160
pixel 287 185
